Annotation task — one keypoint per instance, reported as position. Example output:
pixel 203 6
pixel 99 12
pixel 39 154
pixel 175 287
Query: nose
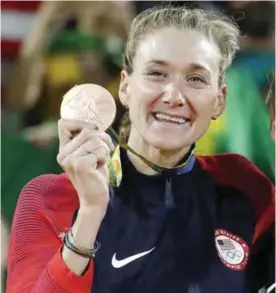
pixel 174 98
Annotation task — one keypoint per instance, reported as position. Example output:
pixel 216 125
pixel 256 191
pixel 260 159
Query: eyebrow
pixel 159 62
pixel 199 66
pixel 193 65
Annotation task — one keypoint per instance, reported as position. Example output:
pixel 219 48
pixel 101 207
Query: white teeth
pixel 165 117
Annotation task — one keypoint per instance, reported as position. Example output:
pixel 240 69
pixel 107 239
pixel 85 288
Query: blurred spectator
pixel 69 44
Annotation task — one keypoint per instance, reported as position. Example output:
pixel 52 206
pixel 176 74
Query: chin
pixel 166 144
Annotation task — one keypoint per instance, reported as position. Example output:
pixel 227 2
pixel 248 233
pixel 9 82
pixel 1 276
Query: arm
pixel 23 88
pixel 35 263
pixel 24 85
pixel 237 171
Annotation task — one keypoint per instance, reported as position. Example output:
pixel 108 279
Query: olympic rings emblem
pixel 235 255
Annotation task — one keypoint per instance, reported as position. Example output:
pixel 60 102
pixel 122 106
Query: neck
pixel 163 158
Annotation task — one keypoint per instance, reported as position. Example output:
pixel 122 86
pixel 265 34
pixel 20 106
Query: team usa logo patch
pixel 232 250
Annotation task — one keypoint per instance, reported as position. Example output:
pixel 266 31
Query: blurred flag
pixel 17 18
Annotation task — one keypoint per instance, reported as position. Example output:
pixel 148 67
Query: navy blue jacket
pixel 206 230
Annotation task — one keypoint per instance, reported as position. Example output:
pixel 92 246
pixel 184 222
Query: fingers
pixel 82 154
pixel 68 128
pixel 95 156
pixel 99 154
pixel 94 145
pixel 84 136
pixel 87 164
pixel 84 143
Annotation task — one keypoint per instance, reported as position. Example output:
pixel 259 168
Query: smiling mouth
pixel 162 117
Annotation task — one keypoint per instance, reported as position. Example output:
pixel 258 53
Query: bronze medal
pixel 90 103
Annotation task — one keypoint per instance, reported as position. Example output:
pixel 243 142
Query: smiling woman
pixel 198 224
pixel 181 56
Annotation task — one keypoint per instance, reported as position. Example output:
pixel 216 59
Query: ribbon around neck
pixel 114 162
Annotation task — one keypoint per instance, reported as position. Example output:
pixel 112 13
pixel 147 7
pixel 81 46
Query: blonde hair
pixel 219 29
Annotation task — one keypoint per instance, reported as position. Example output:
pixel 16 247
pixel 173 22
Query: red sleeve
pixel 237 171
pixel 35 264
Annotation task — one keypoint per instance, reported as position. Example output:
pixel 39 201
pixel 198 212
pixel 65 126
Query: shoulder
pixel 48 197
pixel 52 189
pixel 238 172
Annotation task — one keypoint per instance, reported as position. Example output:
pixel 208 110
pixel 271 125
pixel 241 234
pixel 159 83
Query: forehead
pixel 178 47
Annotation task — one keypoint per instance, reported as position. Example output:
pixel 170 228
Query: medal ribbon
pixel 115 167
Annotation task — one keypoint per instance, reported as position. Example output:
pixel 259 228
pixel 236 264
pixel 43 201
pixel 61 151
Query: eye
pixel 157 73
pixel 196 79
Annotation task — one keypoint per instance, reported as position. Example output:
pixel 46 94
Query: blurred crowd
pixel 48 47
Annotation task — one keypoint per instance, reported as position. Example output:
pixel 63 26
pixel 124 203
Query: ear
pixel 124 88
pixel 220 102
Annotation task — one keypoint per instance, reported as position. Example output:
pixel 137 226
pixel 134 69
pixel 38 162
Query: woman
pixel 194 227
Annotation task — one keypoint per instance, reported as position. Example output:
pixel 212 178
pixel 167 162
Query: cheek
pixel 144 93
pixel 146 88
pixel 203 106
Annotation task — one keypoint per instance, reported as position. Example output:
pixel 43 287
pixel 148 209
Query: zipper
pixel 169 200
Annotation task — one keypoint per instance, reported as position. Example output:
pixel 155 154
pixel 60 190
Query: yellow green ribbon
pixel 115 165
pixel 115 168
